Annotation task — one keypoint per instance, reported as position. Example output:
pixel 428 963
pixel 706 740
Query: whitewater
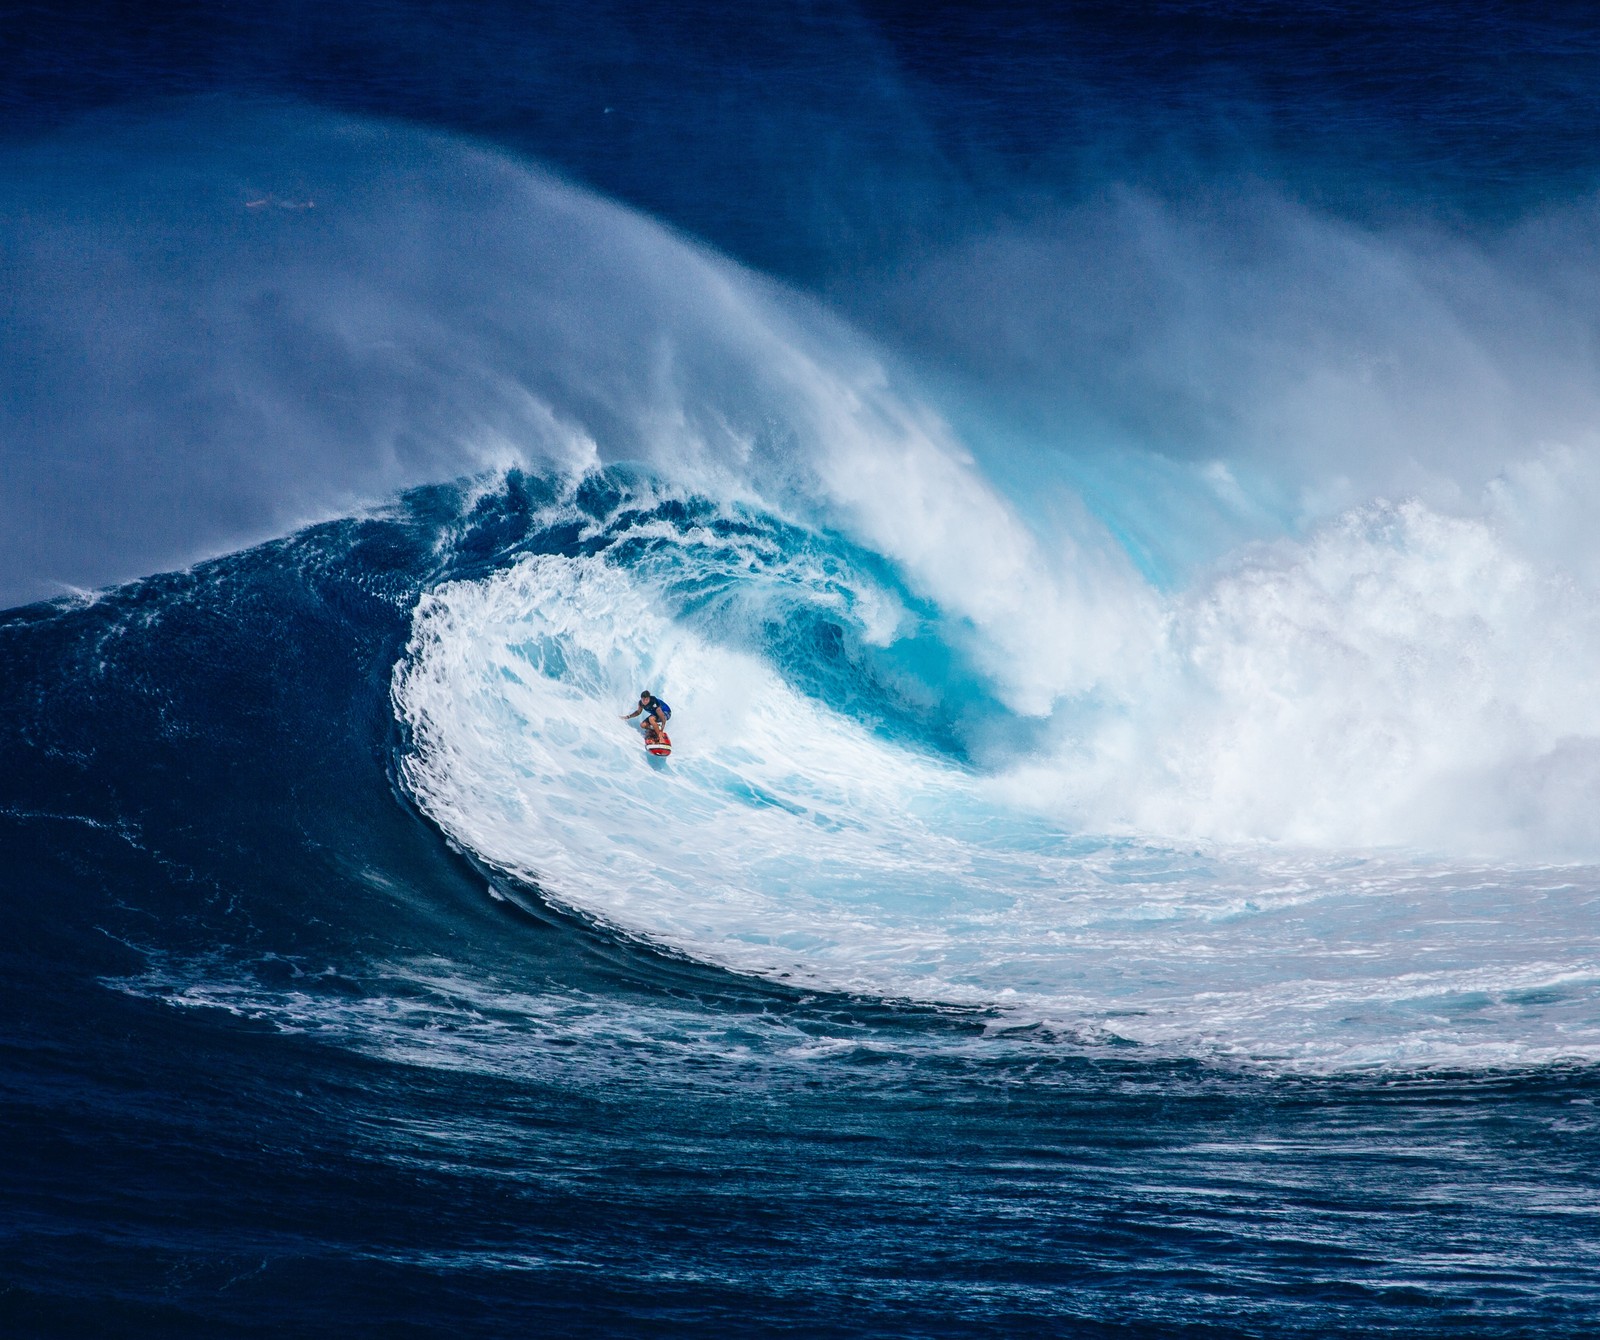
pixel 823 821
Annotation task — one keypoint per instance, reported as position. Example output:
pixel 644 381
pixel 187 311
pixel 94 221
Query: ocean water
pixel 1108 500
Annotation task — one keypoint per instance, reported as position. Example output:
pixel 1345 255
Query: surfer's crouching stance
pixel 656 712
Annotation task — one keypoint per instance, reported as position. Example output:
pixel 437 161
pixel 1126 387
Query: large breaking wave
pixel 1189 862
pixel 1205 672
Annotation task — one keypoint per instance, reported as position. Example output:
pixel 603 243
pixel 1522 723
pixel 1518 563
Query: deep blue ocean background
pixel 285 1050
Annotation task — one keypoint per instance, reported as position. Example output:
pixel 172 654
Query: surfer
pixel 654 711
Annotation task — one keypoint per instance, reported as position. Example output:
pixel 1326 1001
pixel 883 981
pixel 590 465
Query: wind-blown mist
pixel 224 324
pixel 1235 324
pixel 1236 522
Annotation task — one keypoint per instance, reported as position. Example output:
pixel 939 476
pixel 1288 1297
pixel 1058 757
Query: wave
pixel 855 802
pixel 990 689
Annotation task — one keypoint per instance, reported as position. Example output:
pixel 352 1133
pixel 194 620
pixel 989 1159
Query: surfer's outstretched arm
pixel 651 706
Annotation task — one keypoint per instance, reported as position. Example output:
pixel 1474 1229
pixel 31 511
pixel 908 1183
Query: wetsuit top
pixel 660 709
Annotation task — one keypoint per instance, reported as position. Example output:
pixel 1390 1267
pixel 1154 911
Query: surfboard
pixel 659 748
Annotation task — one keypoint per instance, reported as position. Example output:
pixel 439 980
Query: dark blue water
pixel 815 139
pixel 280 1059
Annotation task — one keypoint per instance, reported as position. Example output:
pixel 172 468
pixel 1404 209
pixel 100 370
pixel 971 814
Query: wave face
pixel 1127 589
pixel 852 803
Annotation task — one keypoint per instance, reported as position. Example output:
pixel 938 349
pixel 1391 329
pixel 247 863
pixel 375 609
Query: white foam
pixel 786 840
pixel 1402 678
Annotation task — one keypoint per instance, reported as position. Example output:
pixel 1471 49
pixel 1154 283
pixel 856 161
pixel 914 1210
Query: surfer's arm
pixel 629 716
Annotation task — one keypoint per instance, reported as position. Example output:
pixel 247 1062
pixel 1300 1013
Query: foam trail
pixel 790 840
